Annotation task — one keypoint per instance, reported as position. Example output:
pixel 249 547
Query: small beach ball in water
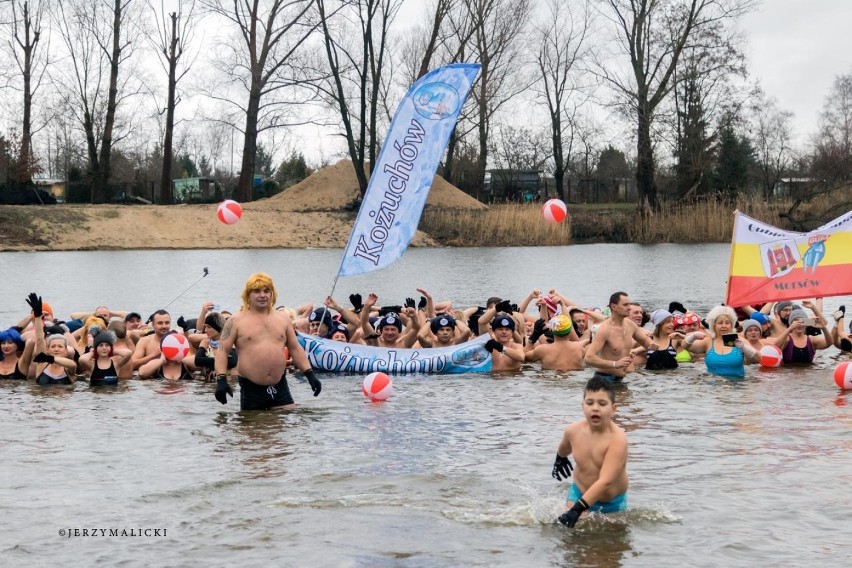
pixel 770 356
pixel 843 375
pixel 554 211
pixel 175 346
pixel 230 211
pixel 377 386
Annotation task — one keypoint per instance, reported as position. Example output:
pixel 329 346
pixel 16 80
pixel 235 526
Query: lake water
pixel 451 471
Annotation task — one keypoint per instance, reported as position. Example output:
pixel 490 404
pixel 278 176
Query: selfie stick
pixel 206 272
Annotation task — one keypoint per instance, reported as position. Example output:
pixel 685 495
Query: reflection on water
pixel 451 470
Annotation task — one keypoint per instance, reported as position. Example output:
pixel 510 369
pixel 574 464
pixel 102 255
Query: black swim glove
pixel 504 306
pixel 35 303
pixel 315 383
pixel 494 345
pixel 223 389
pixel 181 322
pixel 538 330
pixel 43 358
pixel 561 467
pixel 421 305
pixel 409 303
pixel 569 518
pixel 357 302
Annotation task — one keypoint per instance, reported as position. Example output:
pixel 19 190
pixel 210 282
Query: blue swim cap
pixel 503 321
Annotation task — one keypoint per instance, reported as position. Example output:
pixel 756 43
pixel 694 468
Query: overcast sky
pixel 796 49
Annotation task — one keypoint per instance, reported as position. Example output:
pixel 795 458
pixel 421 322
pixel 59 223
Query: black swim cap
pixel 442 321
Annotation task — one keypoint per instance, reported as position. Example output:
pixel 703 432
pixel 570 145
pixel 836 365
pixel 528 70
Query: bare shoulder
pixel 574 428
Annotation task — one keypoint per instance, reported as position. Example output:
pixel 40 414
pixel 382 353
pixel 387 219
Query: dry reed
pixel 702 222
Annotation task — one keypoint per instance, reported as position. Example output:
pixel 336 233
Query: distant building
pixel 195 189
pixel 514 185
pixel 54 186
pixel 785 187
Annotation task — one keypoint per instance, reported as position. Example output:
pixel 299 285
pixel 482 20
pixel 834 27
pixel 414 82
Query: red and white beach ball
pixel 770 356
pixel 554 211
pixel 230 211
pixel 377 386
pixel 175 347
pixel 843 375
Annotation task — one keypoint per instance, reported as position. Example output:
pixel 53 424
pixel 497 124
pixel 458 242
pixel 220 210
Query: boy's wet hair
pixel 597 384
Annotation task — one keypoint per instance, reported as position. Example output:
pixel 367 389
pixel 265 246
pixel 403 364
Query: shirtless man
pixel 390 327
pixel 148 347
pixel 443 331
pixel 599 447
pixel 609 351
pixel 506 353
pixel 561 355
pixel 261 333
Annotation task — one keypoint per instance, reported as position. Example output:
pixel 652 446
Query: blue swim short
pixel 616 505
pixel 607 377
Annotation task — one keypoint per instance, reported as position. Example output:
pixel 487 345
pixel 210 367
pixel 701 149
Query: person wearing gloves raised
pixel 561 355
pixel 506 353
pixel 53 365
pixel 599 447
pixel 260 333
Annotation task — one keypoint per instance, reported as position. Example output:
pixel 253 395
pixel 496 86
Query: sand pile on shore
pixel 336 187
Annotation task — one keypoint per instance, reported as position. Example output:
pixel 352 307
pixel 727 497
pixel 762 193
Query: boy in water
pixel 600 450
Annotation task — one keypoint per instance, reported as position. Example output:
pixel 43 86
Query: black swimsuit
pixel 106 376
pixel 16 375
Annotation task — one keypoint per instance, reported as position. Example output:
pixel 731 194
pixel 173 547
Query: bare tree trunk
pixel 245 185
pixel 166 174
pixel 645 164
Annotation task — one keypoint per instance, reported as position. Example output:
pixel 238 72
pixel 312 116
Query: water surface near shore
pixel 451 471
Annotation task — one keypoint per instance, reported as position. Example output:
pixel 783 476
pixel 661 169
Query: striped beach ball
pixel 770 356
pixel 229 211
pixel 377 386
pixel 843 375
pixel 175 347
pixel 554 211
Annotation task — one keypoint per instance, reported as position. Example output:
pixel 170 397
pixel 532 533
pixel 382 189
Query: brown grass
pixel 706 221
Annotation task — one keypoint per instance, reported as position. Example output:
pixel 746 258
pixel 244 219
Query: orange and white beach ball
pixel 554 211
pixel 770 356
pixel 175 347
pixel 377 386
pixel 843 375
pixel 230 211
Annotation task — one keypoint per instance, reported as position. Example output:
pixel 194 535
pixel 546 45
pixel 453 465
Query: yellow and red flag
pixel 769 264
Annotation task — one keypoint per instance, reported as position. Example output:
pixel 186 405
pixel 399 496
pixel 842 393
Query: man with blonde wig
pixel 260 333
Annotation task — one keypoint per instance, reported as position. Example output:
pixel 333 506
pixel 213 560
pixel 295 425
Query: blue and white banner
pixel 339 357
pixel 401 178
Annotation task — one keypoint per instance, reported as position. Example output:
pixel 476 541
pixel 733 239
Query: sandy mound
pixel 336 187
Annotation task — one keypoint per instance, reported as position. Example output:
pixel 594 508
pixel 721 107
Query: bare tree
pixel 562 46
pixel 832 160
pixel 497 27
pixel 171 41
pixel 99 40
pixel 653 35
pixel 357 62
pixel 28 47
pixel 771 133
pixel 263 63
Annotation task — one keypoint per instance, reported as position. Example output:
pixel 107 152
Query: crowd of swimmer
pixel 105 345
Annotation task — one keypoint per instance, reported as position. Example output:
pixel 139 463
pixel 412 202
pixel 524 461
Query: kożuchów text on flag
pixel 403 173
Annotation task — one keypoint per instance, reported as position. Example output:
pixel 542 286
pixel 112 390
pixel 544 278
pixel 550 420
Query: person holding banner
pixel 261 334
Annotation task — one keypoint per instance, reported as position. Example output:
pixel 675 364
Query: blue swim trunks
pixel 608 377
pixel 616 505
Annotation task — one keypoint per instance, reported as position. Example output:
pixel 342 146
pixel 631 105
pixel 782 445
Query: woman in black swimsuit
pixel 15 355
pixel 103 360
pixel 53 364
